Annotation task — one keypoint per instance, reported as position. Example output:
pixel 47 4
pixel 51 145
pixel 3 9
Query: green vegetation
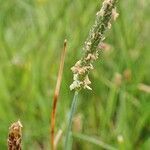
pixel 115 114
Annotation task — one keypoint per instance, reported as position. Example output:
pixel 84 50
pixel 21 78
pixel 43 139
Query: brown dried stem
pixel 56 94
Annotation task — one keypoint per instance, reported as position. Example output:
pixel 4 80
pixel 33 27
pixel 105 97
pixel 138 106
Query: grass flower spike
pixel 92 45
pixel 15 136
pixel 91 50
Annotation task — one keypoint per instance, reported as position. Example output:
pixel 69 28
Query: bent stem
pixel 72 111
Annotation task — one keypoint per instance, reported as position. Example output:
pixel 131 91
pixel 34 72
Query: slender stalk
pixel 56 94
pixel 72 111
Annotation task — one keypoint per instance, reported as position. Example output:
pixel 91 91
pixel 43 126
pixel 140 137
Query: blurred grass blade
pixel 93 141
pixel 57 138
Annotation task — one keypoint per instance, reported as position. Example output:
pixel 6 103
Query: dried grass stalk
pixel 55 99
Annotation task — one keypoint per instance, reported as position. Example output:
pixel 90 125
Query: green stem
pixel 72 111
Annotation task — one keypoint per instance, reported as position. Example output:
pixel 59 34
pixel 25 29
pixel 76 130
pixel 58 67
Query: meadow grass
pixel 116 112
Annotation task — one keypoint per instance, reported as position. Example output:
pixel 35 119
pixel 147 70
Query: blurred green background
pixel 116 111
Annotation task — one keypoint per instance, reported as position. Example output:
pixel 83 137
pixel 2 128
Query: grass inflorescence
pixel 91 51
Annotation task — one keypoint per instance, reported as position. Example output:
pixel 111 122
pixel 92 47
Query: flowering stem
pixel 72 111
pixel 91 50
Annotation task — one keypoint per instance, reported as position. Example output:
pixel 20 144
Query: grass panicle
pixel 92 45
pixel 91 50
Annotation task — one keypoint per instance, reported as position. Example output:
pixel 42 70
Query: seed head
pixel 15 136
pixel 91 47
